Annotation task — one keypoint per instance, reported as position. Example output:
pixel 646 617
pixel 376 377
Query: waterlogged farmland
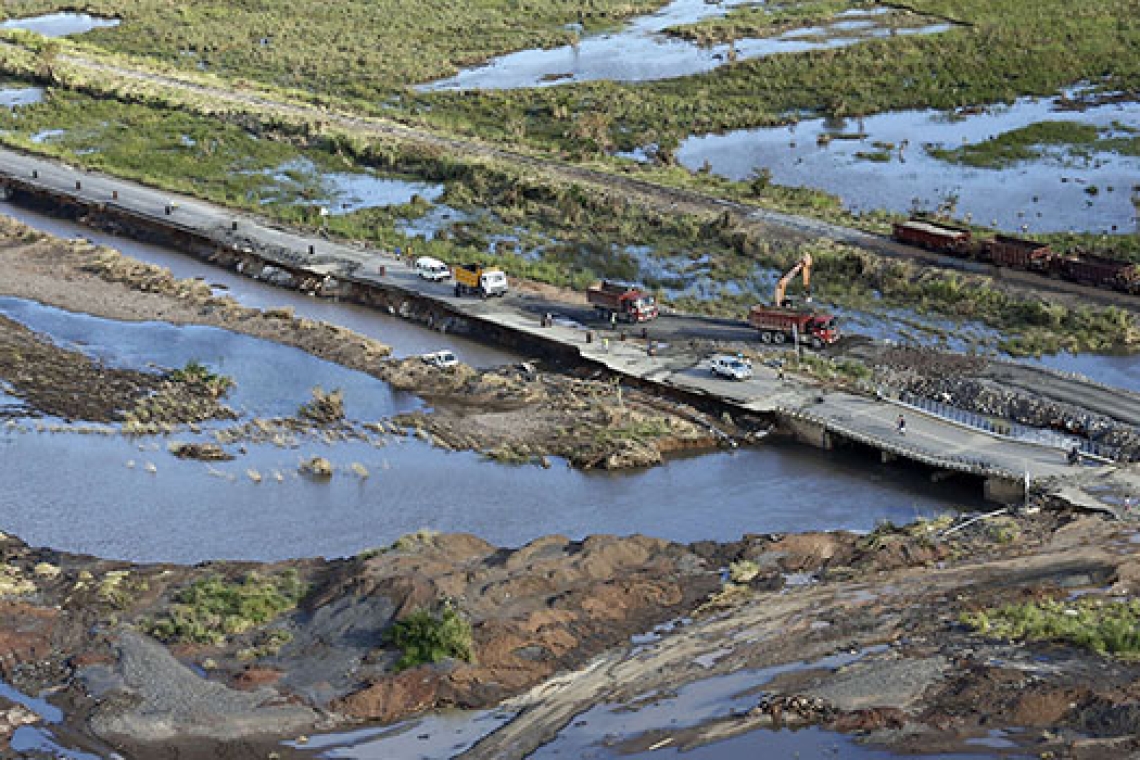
pixel 1083 175
pixel 643 51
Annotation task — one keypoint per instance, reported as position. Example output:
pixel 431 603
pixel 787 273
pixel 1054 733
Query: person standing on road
pixel 901 424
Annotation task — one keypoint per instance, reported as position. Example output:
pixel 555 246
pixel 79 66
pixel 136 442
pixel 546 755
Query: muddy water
pixel 610 730
pixel 406 338
pixel 130 499
pixel 1049 194
pixel 102 496
pixel 640 52
pixel 59 24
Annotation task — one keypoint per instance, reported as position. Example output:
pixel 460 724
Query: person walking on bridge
pixel 901 425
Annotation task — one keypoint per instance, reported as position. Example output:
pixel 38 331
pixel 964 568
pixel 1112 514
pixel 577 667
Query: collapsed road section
pixel 827 418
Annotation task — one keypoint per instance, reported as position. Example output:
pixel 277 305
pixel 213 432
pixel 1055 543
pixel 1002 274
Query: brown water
pixel 128 498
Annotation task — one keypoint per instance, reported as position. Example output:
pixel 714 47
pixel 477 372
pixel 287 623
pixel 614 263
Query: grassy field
pixel 352 48
pixel 584 234
pixel 1078 141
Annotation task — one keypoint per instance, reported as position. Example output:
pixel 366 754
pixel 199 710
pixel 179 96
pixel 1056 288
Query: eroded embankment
pixel 178 661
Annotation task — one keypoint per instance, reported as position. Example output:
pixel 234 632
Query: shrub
pixel 211 609
pixel 427 638
pixel 1105 627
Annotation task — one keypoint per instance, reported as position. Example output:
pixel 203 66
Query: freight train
pixel 1018 253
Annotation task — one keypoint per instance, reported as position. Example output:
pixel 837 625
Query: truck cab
pixel 480 280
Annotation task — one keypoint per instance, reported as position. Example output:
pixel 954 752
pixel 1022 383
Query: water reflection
pixel 640 52
pixel 343 192
pixel 59 24
pixel 880 162
pixel 14 97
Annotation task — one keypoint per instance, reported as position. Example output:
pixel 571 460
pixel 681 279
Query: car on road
pixel 432 269
pixel 732 367
pixel 441 359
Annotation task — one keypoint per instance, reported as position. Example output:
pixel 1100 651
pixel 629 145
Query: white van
pixel 432 269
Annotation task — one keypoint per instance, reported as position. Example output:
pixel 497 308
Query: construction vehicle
pixel 616 300
pixel 476 279
pixel 784 321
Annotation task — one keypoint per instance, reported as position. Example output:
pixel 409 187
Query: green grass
pixel 1105 627
pixel 426 638
pixel 366 49
pixel 197 375
pixel 213 609
pixel 584 230
pixel 1079 141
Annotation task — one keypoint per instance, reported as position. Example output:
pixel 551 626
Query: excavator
pixel 803 265
pixel 782 322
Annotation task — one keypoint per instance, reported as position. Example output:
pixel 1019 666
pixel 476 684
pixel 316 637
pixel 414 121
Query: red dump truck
pixel 778 325
pixel 625 302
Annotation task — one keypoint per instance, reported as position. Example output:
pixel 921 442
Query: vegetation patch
pixel 213 609
pixel 1105 626
pixel 1076 140
pixel 198 376
pixel 425 638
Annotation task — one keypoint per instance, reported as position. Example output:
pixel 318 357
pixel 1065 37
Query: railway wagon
pixel 1017 253
pixel 933 237
pixel 1089 269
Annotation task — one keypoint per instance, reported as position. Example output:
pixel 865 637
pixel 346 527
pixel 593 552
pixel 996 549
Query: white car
pixel 441 359
pixel 432 269
pixel 732 367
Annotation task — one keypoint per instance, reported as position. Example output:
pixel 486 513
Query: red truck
pixel 626 302
pixel 777 325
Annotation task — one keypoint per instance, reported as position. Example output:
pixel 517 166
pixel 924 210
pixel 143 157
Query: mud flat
pixel 862 634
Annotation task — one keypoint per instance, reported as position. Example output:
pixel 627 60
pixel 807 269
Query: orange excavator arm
pixel 803 265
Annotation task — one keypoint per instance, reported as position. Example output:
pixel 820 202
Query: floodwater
pixel 270 379
pixel 609 731
pixel 128 498
pixel 641 52
pixel 59 24
pixel 14 97
pixel 1053 193
pixel 406 338
pixel 345 192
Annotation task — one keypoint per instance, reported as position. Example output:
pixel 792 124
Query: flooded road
pixel 882 162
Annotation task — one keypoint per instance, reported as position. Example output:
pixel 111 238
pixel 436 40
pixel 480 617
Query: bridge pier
pixel 808 431
pixel 1004 490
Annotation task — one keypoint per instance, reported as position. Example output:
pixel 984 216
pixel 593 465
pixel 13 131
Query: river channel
pixel 128 498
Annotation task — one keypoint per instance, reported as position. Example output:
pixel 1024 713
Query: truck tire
pixel 816 343
pixel 765 336
pixel 778 338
